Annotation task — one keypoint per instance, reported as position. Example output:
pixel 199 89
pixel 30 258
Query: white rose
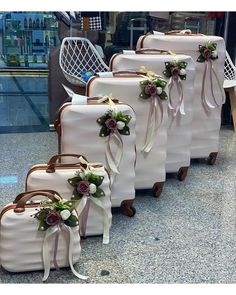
pixel 159 90
pixel 92 188
pixel 120 125
pixel 182 72
pixel 214 53
pixel 65 214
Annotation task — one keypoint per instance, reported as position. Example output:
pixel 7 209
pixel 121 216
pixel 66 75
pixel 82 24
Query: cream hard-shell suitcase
pixel 83 128
pixel 180 88
pixel 94 211
pixel 151 147
pixel 208 52
pixel 28 243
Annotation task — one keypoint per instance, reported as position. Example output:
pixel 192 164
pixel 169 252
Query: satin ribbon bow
pixel 56 230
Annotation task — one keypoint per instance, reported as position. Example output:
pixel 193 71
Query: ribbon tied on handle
pixel 152 88
pixel 208 54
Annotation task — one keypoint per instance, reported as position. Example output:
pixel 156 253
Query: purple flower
pixel 150 89
pixel 175 71
pixel 111 124
pixel 206 53
pixel 53 218
pixel 83 187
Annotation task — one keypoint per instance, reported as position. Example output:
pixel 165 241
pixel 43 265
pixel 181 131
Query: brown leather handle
pixel 120 73
pixel 20 205
pixel 52 163
pixel 150 50
pixel 22 195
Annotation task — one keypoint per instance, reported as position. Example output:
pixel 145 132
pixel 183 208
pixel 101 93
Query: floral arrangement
pixel 153 87
pixel 114 121
pixel 208 52
pixel 56 213
pixel 86 183
pixel 175 69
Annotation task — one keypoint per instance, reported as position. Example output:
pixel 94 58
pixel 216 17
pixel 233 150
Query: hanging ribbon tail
pixel 152 125
pixel 80 209
pixel 181 97
pixel 114 161
pixel 211 83
pixel 106 220
pixel 219 85
pixel 170 85
pixel 205 100
pixel 71 246
pixel 84 218
pixel 56 248
pixel 46 251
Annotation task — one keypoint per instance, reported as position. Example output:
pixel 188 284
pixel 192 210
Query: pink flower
pixel 150 89
pixel 175 71
pixel 53 218
pixel 207 53
pixel 111 124
pixel 83 187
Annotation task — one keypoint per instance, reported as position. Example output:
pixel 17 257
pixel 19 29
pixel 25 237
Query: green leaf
pixel 72 221
pixel 161 83
pixel 144 95
pixel 163 95
pixel 168 65
pixel 76 195
pixel 104 131
pixel 125 131
pixel 182 77
pixel 101 120
pixel 167 73
pixel 200 59
pixel 43 225
pixel 99 193
pixel 73 181
pixel 96 179
pixel 182 65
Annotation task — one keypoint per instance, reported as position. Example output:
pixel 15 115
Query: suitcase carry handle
pixel 20 205
pixel 21 195
pixel 183 32
pixel 120 73
pixel 95 99
pixel 150 50
pixel 52 163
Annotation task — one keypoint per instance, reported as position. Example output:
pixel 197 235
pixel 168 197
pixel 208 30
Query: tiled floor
pixel 23 103
pixel 188 235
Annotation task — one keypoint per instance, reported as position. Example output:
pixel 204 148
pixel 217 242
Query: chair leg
pixel 232 97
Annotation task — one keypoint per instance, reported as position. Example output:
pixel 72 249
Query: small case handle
pixel 152 50
pixel 183 32
pixel 52 163
pixel 124 73
pixel 20 205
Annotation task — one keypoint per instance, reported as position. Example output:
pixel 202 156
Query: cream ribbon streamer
pixel 180 105
pixel 46 250
pixel 106 218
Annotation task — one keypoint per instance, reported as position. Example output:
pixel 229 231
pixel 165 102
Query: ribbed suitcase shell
pixel 38 178
pixel 205 126
pixel 179 131
pixel 150 168
pixel 21 243
pixel 79 133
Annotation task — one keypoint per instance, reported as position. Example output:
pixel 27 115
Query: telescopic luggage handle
pixel 20 204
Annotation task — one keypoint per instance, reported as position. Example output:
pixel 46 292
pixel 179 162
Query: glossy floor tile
pixel 188 235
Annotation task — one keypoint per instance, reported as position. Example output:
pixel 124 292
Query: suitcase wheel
pixel 127 208
pixel 212 158
pixel 182 173
pixel 157 189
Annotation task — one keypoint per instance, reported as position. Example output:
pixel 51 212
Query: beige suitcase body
pixel 22 244
pixel 150 167
pixel 206 121
pixel 78 132
pixel 179 131
pixel 54 176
